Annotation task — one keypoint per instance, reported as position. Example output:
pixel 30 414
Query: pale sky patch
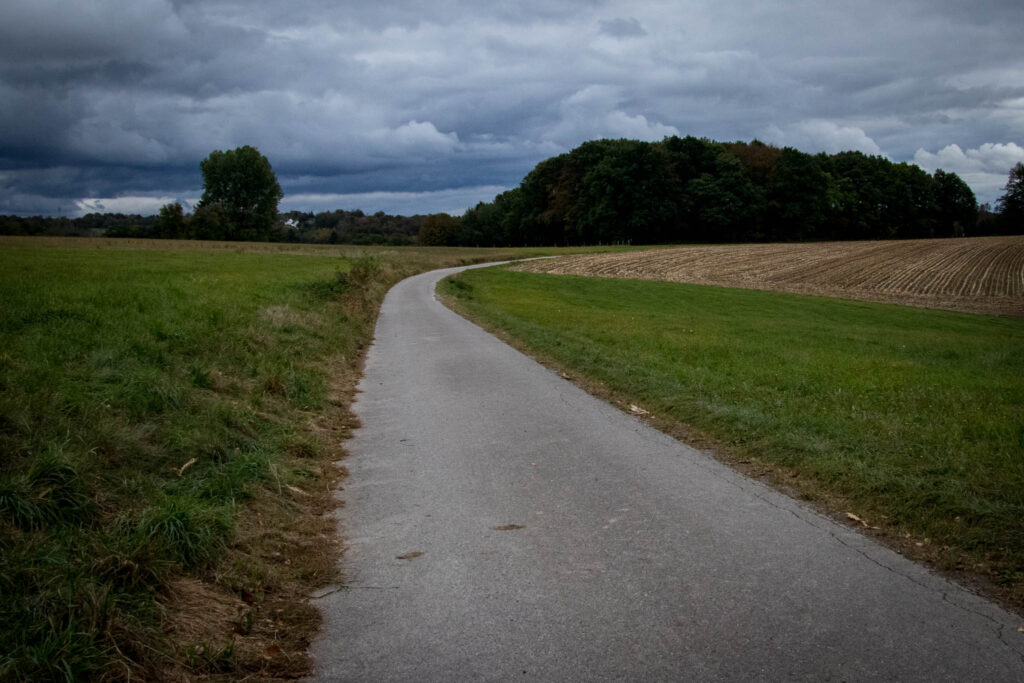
pixel 985 168
pixel 144 206
pixel 822 136
pixel 453 201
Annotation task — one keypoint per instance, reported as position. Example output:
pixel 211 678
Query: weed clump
pixel 49 493
pixel 360 273
pixel 183 530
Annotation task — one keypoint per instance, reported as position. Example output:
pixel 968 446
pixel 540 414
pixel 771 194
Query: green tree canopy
pixel 439 230
pixel 694 189
pixel 957 206
pixel 171 222
pixel 241 183
pixel 1011 205
pixel 798 196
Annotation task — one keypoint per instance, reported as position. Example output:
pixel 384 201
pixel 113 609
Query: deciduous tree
pixel 956 205
pixel 439 230
pixel 171 222
pixel 1011 205
pixel 243 185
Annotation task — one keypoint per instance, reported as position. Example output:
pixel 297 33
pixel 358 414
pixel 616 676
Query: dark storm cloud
pixel 116 101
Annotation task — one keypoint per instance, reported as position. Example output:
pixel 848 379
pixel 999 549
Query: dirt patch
pixel 973 275
pixel 251 616
pixel 279 316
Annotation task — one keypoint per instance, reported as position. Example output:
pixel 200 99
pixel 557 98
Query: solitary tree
pixel 1011 205
pixel 242 185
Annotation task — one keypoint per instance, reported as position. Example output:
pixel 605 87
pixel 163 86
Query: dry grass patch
pixel 249 616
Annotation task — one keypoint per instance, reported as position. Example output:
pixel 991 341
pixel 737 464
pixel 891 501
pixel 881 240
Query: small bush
pixel 360 273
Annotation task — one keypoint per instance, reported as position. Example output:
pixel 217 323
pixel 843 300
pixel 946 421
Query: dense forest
pixel 698 190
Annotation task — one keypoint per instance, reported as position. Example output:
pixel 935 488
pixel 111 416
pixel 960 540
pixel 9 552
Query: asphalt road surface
pixel 502 524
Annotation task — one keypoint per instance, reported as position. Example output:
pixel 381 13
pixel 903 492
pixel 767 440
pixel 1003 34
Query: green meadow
pixel 150 393
pixel 911 419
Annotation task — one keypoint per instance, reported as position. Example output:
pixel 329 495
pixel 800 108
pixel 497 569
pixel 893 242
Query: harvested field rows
pixel 976 275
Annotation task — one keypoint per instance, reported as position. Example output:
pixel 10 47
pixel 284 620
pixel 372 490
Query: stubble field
pixel 974 275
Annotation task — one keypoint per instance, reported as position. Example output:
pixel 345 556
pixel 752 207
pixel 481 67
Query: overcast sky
pixel 418 107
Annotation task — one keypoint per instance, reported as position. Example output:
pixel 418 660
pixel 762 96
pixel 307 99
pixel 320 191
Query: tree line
pixel 327 227
pixel 351 227
pixel 603 192
pixel 698 190
pixel 239 202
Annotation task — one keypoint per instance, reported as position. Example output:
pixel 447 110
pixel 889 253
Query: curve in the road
pixel 501 523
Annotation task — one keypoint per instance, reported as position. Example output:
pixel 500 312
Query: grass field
pixel 975 274
pixel 169 417
pixel 911 419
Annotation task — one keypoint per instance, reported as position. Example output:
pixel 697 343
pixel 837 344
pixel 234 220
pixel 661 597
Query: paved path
pixel 637 557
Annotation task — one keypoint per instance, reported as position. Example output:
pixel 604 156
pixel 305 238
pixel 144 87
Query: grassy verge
pixel 911 419
pixel 170 413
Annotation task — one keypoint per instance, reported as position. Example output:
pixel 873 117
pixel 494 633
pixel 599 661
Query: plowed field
pixel 976 275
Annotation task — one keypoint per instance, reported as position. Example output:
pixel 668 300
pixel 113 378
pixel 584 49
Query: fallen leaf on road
pixel 508 527
pixel 855 518
pixel 409 556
